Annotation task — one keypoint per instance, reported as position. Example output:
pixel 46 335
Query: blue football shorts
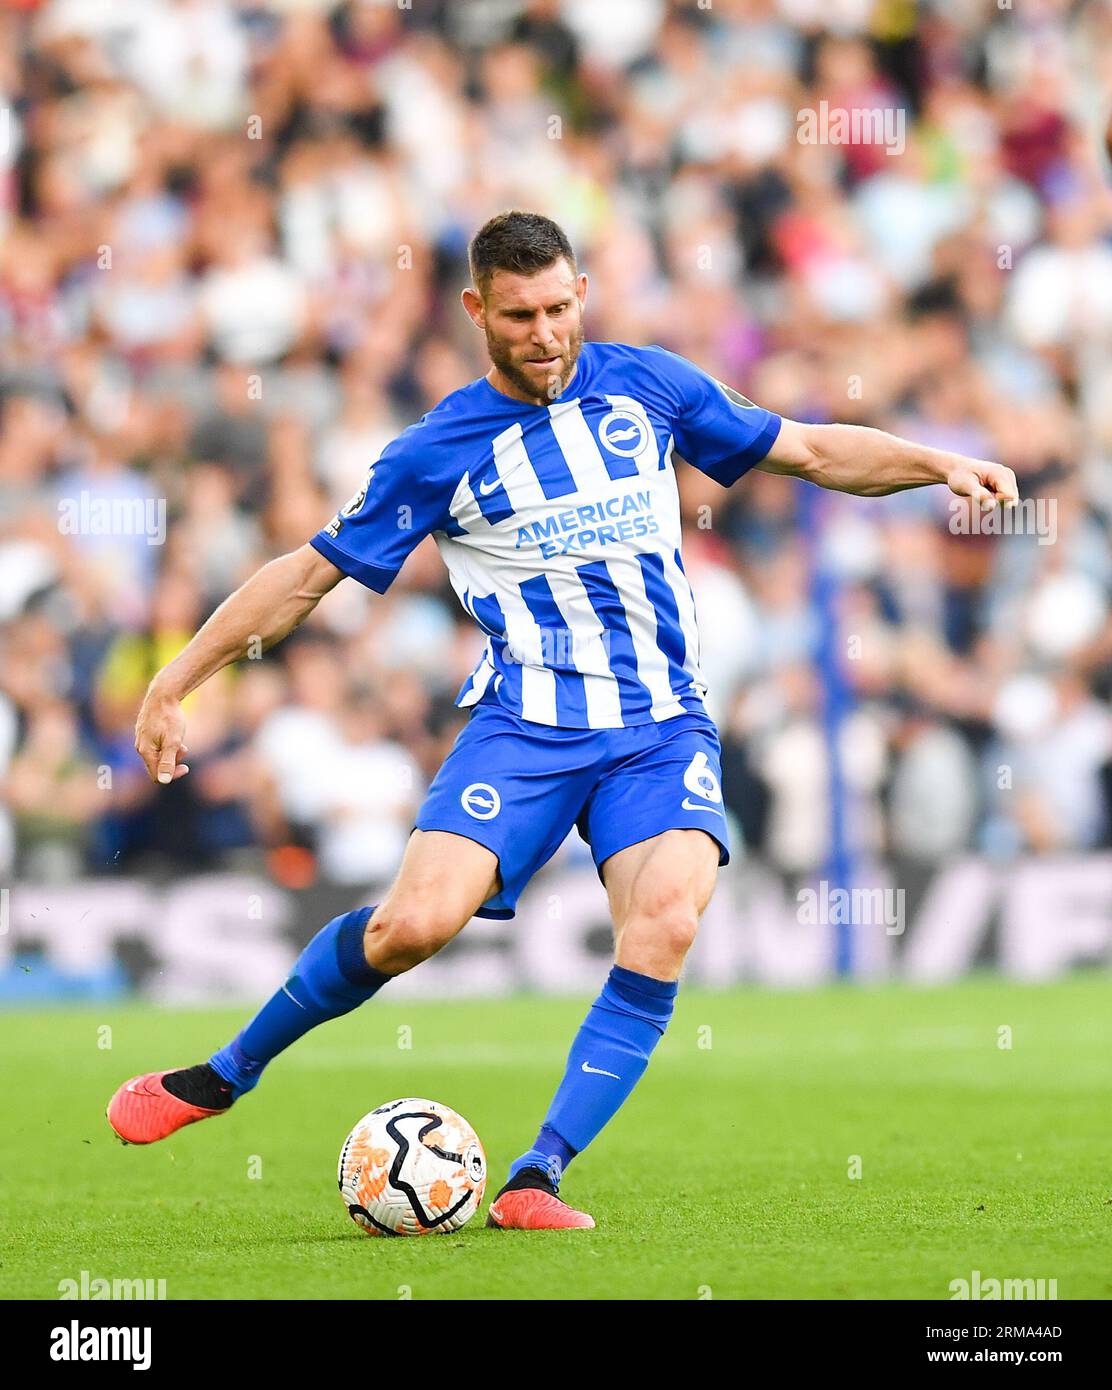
pixel 518 787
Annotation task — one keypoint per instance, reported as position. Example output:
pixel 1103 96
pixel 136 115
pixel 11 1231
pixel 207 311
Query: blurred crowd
pixel 232 239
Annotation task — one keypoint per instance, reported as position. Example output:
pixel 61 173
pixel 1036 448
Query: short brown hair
pixel 522 242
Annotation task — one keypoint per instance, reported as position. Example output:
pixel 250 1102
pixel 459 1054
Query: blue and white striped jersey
pixel 560 528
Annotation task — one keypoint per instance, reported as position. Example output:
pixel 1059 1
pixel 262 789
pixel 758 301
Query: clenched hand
pixel 159 731
pixel 988 484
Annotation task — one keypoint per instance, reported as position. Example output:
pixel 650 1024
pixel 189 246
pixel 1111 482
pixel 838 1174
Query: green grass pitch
pixel 727 1175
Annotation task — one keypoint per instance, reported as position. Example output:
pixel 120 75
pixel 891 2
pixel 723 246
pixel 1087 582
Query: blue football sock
pixel 330 978
pixel 607 1059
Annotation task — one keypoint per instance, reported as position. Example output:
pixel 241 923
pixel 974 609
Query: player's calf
pixel 330 978
pixel 657 890
pixel 443 879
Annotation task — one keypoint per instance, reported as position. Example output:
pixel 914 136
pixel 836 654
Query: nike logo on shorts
pixel 689 805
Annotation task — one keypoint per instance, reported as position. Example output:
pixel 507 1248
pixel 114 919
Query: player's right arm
pixel 259 614
pixel 405 497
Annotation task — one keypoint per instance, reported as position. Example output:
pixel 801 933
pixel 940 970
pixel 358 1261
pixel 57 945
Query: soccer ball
pixel 410 1168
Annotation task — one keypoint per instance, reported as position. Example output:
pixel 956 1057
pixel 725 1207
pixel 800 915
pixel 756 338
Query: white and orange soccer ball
pixel 410 1168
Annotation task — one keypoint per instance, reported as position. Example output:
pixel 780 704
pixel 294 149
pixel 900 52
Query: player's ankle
pixel 201 1086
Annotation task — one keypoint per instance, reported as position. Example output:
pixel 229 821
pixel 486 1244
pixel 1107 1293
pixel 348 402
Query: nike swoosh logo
pixel 138 1089
pixel 598 1071
pixel 487 488
pixel 689 805
pixel 288 995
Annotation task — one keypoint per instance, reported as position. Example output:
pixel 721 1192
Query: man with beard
pixel 549 487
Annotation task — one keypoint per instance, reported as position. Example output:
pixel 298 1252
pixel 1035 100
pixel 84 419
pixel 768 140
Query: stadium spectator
pixel 233 241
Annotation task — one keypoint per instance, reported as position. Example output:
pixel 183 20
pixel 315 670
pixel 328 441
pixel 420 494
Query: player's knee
pixel 402 934
pixel 677 935
pixel 661 928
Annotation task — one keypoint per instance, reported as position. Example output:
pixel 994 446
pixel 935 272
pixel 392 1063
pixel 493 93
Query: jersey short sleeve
pixel 402 502
pixel 716 428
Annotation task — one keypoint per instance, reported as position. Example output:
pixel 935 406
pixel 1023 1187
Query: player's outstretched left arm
pixel 871 463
